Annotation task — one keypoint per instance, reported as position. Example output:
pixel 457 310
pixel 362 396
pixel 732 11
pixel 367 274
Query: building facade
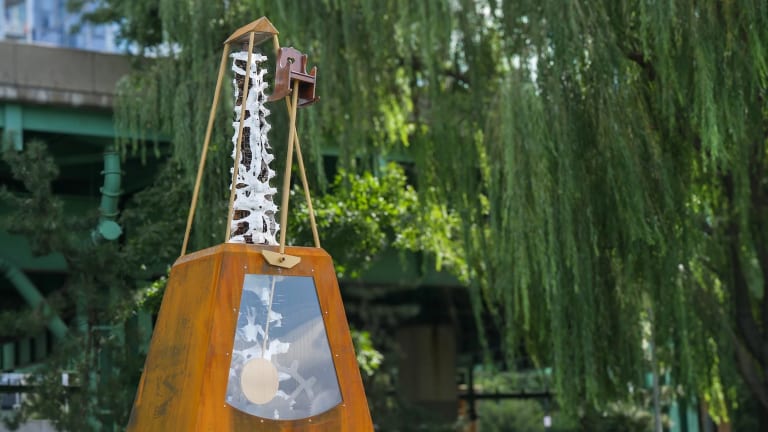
pixel 49 22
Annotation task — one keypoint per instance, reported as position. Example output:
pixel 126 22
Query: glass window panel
pixel 280 321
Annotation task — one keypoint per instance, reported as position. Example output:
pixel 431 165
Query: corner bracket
pixel 280 260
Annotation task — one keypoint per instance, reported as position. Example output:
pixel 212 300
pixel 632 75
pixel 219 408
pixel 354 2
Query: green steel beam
pixel 17 250
pixel 68 121
pixel 41 346
pixel 32 296
pixel 80 159
pixel 13 126
pixel 25 351
pixel 9 356
pixel 63 120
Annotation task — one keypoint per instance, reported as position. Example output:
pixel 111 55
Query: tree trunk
pixel 750 341
pixel 762 412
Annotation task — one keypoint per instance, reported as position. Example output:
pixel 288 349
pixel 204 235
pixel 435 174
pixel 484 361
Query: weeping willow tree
pixel 606 160
pixel 628 191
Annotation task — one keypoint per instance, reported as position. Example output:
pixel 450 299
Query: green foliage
pixel 96 281
pixel 621 167
pixel 602 159
pixel 93 398
pixel 634 414
pixel 36 178
pixel 150 297
pixel 624 417
pixel 516 415
pixel 368 358
pixel 379 212
pixel 155 219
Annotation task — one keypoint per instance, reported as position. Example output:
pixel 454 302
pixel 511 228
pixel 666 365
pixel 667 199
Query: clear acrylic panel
pixel 282 367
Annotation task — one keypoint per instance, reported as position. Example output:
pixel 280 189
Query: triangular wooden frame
pixel 262 27
pixel 189 365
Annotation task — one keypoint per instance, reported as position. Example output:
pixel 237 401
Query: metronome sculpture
pixel 251 335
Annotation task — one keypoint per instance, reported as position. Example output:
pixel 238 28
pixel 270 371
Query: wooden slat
pixel 171 385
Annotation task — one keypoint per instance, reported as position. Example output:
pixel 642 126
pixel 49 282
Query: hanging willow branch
pixel 582 144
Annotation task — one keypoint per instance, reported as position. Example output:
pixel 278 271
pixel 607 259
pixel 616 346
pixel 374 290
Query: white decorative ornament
pixel 254 211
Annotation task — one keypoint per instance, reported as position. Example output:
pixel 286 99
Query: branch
pixel 642 61
pixel 417 65
pixel 750 374
pixel 742 309
pixel 744 360
pixel 759 200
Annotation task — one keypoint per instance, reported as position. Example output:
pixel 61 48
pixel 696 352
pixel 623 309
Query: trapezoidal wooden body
pixel 241 345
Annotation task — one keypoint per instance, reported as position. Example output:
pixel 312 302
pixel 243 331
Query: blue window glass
pixel 281 367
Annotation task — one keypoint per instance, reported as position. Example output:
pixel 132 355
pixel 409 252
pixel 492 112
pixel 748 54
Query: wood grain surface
pixel 185 377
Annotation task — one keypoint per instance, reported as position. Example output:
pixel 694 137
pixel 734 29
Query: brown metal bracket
pixel 292 65
pixel 278 259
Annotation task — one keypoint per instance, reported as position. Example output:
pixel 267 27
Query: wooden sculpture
pixel 251 334
pixel 292 65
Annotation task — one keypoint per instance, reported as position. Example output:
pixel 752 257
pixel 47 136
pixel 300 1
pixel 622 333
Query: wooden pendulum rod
pixel 300 160
pixel 236 169
pixel 288 163
pixel 206 142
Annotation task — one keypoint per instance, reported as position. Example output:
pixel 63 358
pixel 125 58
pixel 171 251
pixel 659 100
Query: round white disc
pixel 259 381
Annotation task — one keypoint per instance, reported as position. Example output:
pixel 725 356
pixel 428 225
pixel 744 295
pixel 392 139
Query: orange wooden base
pixel 185 377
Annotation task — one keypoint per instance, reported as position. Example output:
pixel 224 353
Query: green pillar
pixel 14 130
pixel 25 351
pixel 41 346
pixel 145 330
pixel 683 417
pixel 9 356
